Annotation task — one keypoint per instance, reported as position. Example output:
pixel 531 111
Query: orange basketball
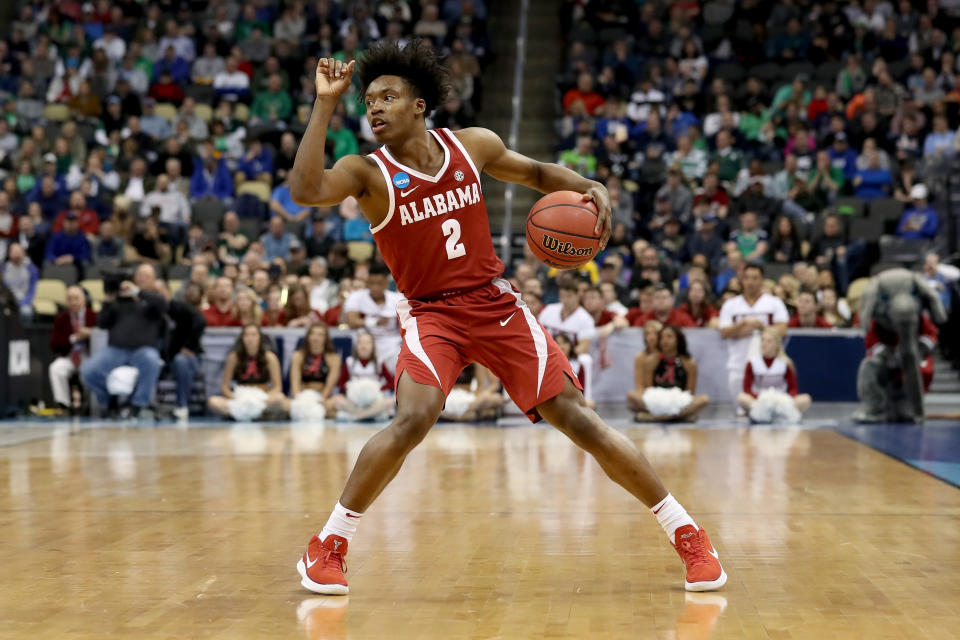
pixel 560 230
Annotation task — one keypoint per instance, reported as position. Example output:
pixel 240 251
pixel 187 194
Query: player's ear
pixel 421 106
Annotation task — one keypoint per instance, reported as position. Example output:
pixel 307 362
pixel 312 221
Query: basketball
pixel 561 230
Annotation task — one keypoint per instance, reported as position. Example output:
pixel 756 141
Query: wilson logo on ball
pixel 565 248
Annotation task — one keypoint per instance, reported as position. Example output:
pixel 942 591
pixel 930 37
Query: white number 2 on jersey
pixel 455 248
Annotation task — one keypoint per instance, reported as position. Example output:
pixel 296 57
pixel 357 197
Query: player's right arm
pixel 310 184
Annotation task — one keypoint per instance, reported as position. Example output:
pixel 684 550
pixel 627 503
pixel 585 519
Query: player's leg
pixel 623 462
pixel 418 407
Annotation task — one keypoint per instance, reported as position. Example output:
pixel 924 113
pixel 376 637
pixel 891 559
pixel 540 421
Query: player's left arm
pixel 490 155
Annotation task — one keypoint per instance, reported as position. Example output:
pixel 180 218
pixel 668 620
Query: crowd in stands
pixel 810 137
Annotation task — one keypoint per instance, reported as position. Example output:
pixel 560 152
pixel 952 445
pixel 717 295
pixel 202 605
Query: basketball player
pixel 421 193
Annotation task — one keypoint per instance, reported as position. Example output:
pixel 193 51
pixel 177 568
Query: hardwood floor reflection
pixel 485 533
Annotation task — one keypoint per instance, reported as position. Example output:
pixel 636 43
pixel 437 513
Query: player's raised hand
pixel 598 193
pixel 333 77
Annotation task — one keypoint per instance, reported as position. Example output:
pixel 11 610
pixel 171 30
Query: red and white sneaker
pixel 704 572
pixel 322 566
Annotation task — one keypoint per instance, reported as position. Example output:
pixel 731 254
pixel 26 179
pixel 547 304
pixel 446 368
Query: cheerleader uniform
pixel 769 373
pixel 670 373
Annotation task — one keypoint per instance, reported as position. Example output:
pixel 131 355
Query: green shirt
pixel 584 165
pixel 729 163
pixel 751 125
pixel 344 142
pixel 272 106
pixel 785 93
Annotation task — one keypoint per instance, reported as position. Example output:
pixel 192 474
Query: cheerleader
pixel 314 372
pixel 669 383
pixel 365 388
pixel 476 396
pixel 773 375
pixel 251 379
pixel 643 361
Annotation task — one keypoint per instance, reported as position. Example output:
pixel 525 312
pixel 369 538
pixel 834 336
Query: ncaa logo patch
pixel 458 175
pixel 401 180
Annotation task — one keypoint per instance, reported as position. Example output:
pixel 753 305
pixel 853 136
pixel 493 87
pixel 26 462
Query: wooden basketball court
pixel 486 533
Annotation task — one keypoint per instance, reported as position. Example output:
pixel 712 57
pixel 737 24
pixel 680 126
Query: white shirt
pixel 578 325
pixel 174 208
pixel 768 309
pixel 237 80
pixel 115 48
pixel 386 337
pixel 323 295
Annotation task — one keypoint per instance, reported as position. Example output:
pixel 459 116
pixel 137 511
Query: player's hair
pixel 595 288
pixel 755 266
pixel 327 343
pixel 416 63
pixel 569 284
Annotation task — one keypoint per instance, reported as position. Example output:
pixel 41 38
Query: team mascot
pixel 899 312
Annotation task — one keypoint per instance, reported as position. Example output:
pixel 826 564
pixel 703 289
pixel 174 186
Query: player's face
pixel 768 346
pixel 392 108
pixel 752 282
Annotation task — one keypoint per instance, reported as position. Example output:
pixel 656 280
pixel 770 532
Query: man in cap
pixel 920 221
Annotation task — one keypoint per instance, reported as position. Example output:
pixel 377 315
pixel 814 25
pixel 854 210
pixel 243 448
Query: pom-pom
pixel 248 403
pixel 122 381
pixel 666 402
pixel 364 392
pixel 774 407
pixel 458 402
pixel 308 406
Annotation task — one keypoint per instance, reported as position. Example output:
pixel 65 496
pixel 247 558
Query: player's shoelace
pixel 694 552
pixel 333 559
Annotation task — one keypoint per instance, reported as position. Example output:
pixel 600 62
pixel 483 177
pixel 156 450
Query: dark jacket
pixel 134 322
pixel 188 327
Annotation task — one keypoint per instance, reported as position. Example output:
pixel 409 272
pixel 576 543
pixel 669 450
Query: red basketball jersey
pixel 436 236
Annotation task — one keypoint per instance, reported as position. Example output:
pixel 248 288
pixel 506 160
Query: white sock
pixel 343 522
pixel 671 515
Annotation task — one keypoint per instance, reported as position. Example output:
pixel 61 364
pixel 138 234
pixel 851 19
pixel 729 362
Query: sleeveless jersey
pixel 435 237
pixel 670 373
pixel 769 377
pixel 356 369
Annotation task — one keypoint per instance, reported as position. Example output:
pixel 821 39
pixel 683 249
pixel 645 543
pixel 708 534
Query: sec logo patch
pixel 458 176
pixel 401 180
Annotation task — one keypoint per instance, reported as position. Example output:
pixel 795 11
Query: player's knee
pixel 412 424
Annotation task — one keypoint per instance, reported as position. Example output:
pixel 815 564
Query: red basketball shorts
pixel 492 326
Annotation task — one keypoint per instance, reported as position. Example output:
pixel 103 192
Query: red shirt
pixel 217 318
pixel 87 219
pixel 821 323
pixel 592 101
pixel 677 318
pixel 709 313
pixel 279 321
pixel 606 317
pixel 436 236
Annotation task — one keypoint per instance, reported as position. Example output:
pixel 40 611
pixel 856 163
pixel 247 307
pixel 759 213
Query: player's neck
pixel 419 150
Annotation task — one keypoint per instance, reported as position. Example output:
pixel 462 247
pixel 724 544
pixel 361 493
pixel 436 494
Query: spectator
pixel 248 308
pixel 323 290
pixel 135 318
pixel 183 344
pixel 681 200
pixel 937 281
pixel 166 89
pixel 588 99
pixel 581 159
pixel 699 307
pixel 604 320
pixel 568 317
pixel 430 25
pixel 785 244
pixel 107 248
pixel 298 313
pixel 750 239
pixel 344 140
pixel 148 245
pixel 939 143
pixel 206 67
pixel 70 342
pixel 376 309
pixel 199 275
pixel 807 315
pixel 276 242
pixel 174 210
pixel 772 369
pixel 873 181
pixel 692 161
pixel 362 364
pixel 663 311
pixel 920 221
pixel 211 177
pixel 87 219
pixel 153 125
pixel 257 163
pixel 250 364
pixel 744 315
pixel 21 277
pixel 231 83
pixel 68 246
pixel 174 67
pixel 729 160
pixel 48 192
pixel 834 312
pixel 274 103
pixel 222 311
pixel 33 242
pixel 273 314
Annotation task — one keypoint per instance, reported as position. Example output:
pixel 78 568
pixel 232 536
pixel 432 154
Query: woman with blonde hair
pixel 248 307
pixel 643 361
pixel 770 384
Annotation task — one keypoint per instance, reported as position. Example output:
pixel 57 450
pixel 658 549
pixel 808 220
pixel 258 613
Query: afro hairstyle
pixel 416 63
